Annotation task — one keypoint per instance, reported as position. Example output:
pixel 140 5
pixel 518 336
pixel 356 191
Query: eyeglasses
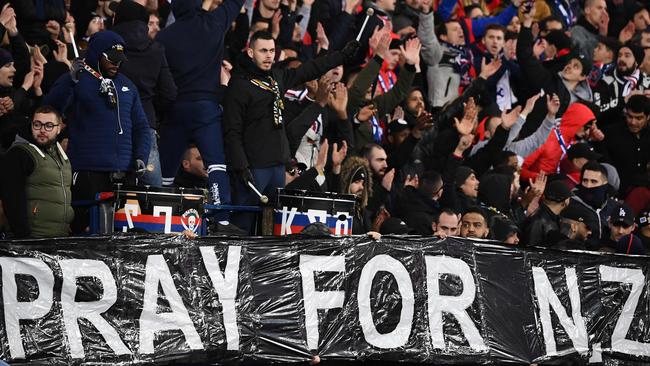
pixel 48 126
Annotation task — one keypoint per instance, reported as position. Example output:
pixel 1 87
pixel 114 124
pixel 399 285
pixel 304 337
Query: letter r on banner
pixel 400 335
pixel 226 287
pixel 635 277
pixel 314 300
pixel 455 305
pixel 15 310
pixel 89 310
pixel 546 299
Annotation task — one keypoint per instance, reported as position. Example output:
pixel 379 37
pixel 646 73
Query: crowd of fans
pixel 524 121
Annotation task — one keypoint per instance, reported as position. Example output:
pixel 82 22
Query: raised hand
pixel 423 122
pixel 275 24
pixel 387 180
pixel 7 14
pixel 324 88
pixel 490 69
pixel 398 113
pixel 411 51
pixel 61 53
pixel 54 28
pixel 464 143
pixel 553 105
pixel 351 6
pixel 530 104
pixel 322 156
pixel 321 37
pixel 603 24
pixel 509 119
pixel 338 100
pixel 339 155
pixel 627 32
pixel 380 41
pixel 539 184
pixel 466 125
pixel 366 112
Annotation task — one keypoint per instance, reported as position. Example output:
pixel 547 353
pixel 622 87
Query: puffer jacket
pixel 548 156
pixel 102 138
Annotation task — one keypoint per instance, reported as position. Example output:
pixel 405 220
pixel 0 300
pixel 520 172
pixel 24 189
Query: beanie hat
pixel 462 173
pixel 128 10
pixel 637 51
pixel 5 57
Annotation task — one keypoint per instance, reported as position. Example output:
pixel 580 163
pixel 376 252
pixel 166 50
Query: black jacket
pixel 537 227
pixel 416 210
pixel 628 153
pixel 147 68
pixel 250 135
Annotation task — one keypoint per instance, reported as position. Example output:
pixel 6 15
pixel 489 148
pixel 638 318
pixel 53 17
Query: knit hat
pixel 557 191
pixel 128 10
pixel 462 173
pixel 630 244
pixel 5 57
pixel 637 51
pixel 560 40
pixel 360 174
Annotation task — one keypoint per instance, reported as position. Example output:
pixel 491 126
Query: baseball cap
pixel 643 219
pixel 557 191
pixel 397 126
pixel 579 212
pixel 622 213
pixel 115 54
pixel 582 150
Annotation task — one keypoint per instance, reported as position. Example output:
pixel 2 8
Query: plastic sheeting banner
pixel 154 299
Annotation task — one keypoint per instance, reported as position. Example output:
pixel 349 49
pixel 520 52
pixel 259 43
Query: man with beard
pixel 547 217
pixel 37 197
pixel 474 224
pixel 376 157
pixel 613 90
pixel 109 132
pixel 577 224
pixel 255 135
pixel 594 192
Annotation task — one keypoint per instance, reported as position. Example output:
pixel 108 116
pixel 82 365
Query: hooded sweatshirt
pixel 194 46
pixel 548 156
pixel 103 138
pixel 361 223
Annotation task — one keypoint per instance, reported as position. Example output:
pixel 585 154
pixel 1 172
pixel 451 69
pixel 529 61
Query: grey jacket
pixel 585 40
pixel 531 143
pixel 443 81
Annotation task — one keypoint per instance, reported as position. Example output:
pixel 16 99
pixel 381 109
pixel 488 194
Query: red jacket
pixel 547 157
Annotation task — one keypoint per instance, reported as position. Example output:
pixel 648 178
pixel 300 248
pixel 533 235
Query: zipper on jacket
pixel 447 87
pixel 65 196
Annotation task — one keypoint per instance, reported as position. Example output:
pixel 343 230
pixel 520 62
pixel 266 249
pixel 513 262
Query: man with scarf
pixel 255 138
pixel 595 193
pixel 604 57
pixel 108 128
pixel 613 90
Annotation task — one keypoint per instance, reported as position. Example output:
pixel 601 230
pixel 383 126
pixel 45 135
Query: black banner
pixel 167 300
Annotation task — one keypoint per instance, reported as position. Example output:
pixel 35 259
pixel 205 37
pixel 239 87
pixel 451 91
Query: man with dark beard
pixel 37 197
pixel 611 93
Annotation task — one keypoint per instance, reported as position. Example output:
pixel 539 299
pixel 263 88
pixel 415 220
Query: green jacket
pixel 47 190
pixel 385 103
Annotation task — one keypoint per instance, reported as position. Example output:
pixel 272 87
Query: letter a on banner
pixel 315 300
pixel 89 310
pixel 226 287
pixel 152 322
pixel 400 335
pixel 547 299
pixel 15 310
pixel 455 305
pixel 636 278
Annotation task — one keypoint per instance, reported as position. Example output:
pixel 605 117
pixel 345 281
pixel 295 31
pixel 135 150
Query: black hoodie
pixel 147 68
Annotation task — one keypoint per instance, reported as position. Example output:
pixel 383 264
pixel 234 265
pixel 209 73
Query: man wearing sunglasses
pixel 109 133
pixel 37 197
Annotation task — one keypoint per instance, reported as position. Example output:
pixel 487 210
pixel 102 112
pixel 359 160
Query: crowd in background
pixel 523 121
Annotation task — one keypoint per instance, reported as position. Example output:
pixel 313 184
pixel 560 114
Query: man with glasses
pixel 109 132
pixel 37 197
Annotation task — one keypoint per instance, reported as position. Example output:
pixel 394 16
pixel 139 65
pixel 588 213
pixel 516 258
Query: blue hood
pixel 100 42
pixel 185 8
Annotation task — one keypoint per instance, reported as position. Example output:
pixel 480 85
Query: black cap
pixel 393 225
pixel 643 219
pixel 128 10
pixel 578 212
pixel 360 174
pixel 557 191
pixel 582 150
pixel 395 43
pixel 398 125
pixel 622 213
pixel 462 173
pixel 115 54
pixel 637 51
pixel 559 39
